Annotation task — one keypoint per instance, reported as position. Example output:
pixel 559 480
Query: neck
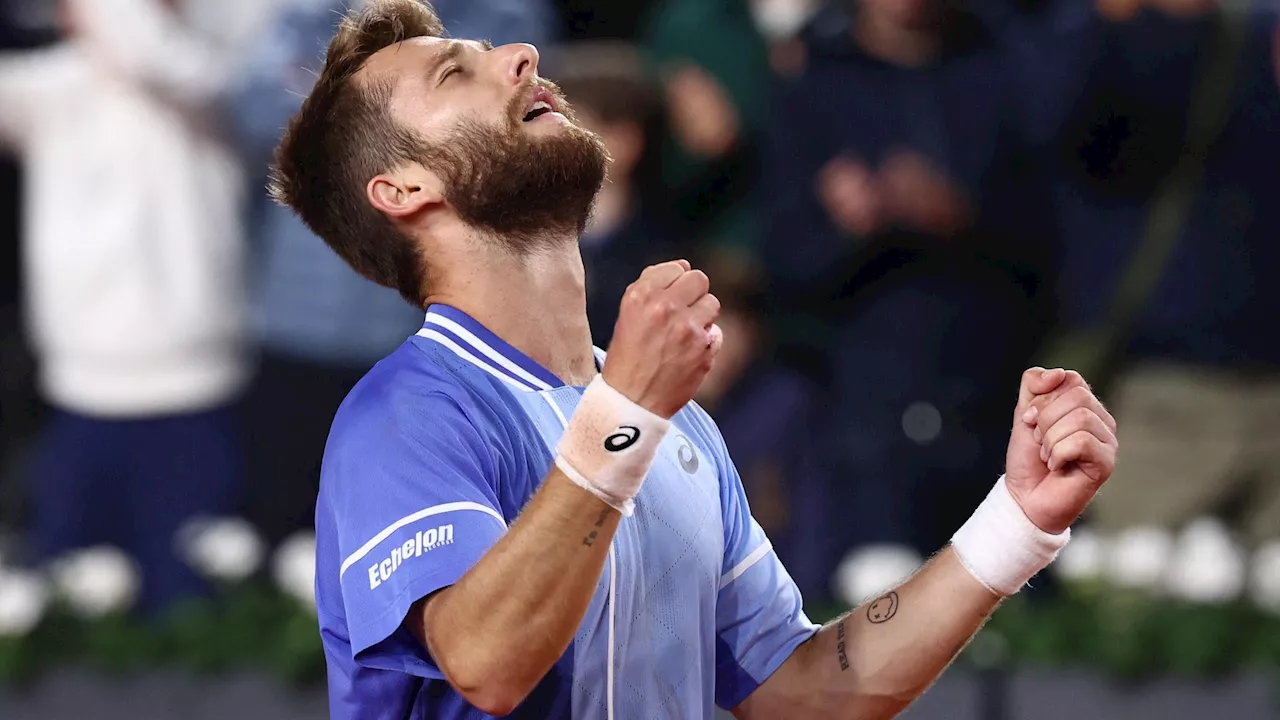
pixel 536 302
pixel 895 44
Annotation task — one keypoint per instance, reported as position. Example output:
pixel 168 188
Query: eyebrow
pixel 452 51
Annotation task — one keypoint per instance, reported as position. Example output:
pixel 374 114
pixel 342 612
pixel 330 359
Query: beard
pixel 528 191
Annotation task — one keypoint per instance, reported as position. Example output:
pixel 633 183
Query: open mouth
pixel 541 102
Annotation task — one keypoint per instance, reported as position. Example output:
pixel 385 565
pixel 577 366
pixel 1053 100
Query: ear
pixel 405 191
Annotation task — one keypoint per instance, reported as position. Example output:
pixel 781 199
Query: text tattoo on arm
pixel 841 655
pixel 591 536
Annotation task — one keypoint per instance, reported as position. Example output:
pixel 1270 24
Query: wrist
pixel 640 399
pixel 609 444
pixel 1001 547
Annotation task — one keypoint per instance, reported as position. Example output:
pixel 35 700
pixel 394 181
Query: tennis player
pixel 510 523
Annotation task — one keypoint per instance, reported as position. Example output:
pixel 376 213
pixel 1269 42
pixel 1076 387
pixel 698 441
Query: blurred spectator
pixel 20 409
pixel 609 20
pixel 500 21
pixel 1051 44
pixel 714 70
pixel 765 413
pixel 1199 404
pixel 133 276
pixel 781 22
pixel 321 326
pixel 606 83
pixel 911 235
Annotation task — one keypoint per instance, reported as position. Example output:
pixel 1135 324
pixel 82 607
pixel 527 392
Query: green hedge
pixel 1130 635
pixel 250 627
pixel 1127 635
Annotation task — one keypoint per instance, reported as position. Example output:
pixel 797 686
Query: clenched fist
pixel 665 339
pixel 1062 450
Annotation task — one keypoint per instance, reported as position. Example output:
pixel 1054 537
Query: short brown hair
pixel 344 136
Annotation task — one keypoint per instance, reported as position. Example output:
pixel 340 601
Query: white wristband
pixel 609 445
pixel 1001 547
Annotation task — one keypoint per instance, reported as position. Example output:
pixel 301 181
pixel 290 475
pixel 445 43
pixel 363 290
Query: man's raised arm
pixel 498 630
pixel 874 661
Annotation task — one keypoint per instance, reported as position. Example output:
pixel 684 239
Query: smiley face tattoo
pixel 883 609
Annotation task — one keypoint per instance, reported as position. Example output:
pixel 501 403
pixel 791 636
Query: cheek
pixel 438 116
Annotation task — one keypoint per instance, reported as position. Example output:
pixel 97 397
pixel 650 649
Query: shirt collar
pixel 476 344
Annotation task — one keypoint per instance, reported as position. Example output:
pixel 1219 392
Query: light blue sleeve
pixel 760 616
pixel 410 486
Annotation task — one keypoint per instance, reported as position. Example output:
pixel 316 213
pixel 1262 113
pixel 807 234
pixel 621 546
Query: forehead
pixel 412 57
pixel 407 69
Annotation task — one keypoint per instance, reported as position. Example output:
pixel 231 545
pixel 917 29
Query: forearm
pixel 874 661
pixel 530 591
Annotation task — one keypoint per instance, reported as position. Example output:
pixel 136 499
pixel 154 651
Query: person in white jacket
pixel 132 249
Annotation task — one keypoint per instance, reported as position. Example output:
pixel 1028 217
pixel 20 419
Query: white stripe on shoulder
pixel 368 547
pixel 462 353
pixel 488 351
pixel 756 556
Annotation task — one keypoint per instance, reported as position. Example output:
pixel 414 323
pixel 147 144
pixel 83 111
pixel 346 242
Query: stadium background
pixel 898 216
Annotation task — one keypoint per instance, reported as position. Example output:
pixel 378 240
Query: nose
pixel 522 62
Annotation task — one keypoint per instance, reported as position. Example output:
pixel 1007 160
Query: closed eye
pixel 448 73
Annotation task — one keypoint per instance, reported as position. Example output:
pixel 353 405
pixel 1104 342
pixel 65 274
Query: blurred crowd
pixel 901 205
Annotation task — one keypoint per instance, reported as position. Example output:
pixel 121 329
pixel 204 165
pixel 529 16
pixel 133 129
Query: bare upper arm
pixel 784 692
pixel 420 615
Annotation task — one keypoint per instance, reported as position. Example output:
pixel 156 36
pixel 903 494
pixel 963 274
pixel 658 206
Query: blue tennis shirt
pixel 430 459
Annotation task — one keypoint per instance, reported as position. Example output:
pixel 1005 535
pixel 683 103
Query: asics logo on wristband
pixel 625 437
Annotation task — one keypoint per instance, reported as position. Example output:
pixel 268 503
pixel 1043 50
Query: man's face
pixel 504 142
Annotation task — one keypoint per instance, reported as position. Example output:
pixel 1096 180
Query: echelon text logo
pixel 623 438
pixel 424 541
